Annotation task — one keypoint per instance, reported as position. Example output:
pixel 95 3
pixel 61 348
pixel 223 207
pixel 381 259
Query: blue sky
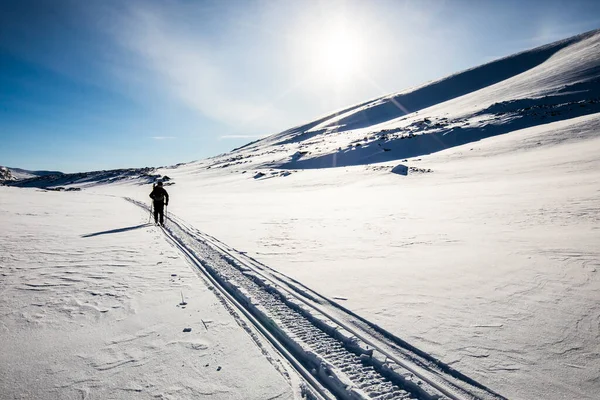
pixel 87 85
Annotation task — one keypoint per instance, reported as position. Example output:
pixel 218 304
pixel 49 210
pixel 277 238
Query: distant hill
pixel 18 174
pixel 57 180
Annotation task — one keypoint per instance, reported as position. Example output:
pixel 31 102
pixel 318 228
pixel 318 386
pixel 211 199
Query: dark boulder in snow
pixel 400 169
pixel 298 154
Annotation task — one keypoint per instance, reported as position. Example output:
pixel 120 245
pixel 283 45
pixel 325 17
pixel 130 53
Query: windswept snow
pixel 90 308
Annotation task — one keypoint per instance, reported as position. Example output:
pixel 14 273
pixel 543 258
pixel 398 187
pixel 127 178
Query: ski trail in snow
pixel 351 359
pixel 349 320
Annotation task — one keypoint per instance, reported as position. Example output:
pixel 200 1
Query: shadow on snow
pixel 119 230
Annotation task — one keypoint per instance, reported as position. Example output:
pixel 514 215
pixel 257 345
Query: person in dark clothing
pixel 160 198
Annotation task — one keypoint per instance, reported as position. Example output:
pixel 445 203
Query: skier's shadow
pixel 129 228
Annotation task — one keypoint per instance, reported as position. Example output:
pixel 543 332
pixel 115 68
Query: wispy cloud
pixel 242 136
pixel 163 137
pixel 259 77
pixel 193 70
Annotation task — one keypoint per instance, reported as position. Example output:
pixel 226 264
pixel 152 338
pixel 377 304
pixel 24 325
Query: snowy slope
pixel 5 174
pixel 550 83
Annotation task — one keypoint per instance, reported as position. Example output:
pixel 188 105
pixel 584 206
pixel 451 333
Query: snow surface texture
pixel 484 254
pixel 90 308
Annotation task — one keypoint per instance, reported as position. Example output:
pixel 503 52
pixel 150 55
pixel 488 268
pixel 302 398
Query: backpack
pixel 158 195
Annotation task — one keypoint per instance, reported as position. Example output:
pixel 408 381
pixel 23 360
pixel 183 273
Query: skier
pixel 160 197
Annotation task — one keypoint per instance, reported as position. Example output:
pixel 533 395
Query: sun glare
pixel 338 53
pixel 332 51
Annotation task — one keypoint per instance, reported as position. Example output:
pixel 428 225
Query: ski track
pixel 350 356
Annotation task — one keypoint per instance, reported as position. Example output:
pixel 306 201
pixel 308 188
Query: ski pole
pixel 151 207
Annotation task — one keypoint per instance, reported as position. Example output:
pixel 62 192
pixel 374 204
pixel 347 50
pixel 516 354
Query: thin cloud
pixel 193 70
pixel 242 136
pixel 163 137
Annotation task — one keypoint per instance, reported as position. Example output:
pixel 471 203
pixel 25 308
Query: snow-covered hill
pixel 17 174
pixel 550 83
pixel 57 181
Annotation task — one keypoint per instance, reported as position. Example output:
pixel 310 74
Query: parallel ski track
pixel 337 355
pixel 451 383
pixel 441 376
pixel 316 391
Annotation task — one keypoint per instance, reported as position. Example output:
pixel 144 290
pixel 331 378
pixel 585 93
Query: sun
pixel 339 52
pixel 332 50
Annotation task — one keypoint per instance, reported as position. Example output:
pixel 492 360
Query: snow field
pixel 90 307
pixel 488 263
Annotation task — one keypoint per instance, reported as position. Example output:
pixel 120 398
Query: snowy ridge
pixel 17 174
pixel 347 362
pixel 469 263
pixel 56 181
pixel 546 84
